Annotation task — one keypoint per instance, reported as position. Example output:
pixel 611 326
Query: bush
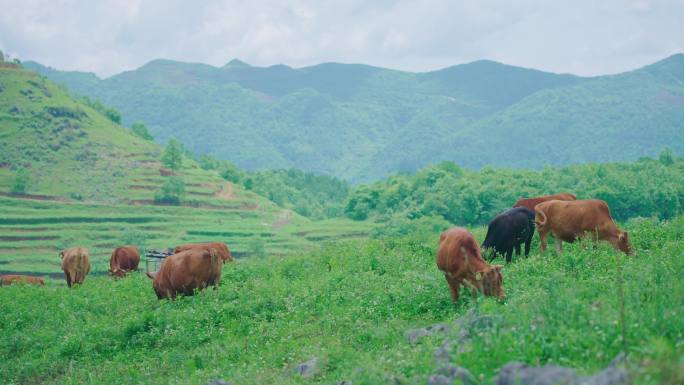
pixel 21 181
pixel 171 192
pixel 141 131
pixel 173 155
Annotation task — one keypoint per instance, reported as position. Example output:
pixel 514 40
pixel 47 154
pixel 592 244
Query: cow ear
pixel 624 236
pixel 498 268
pixel 478 276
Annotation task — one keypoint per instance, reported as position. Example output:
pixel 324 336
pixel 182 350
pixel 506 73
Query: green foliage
pixel 644 188
pixel 110 113
pixel 308 194
pixel 666 157
pixel 231 173
pixel 171 192
pixel 173 155
pixel 350 304
pixel 362 123
pixel 140 130
pixel 21 181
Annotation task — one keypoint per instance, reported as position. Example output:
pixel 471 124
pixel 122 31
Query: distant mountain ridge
pixel 361 122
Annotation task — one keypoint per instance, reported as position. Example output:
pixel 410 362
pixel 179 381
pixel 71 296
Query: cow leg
pixel 517 249
pixel 509 254
pixel 559 246
pixel 454 286
pixel 528 243
pixel 542 241
pixel 68 279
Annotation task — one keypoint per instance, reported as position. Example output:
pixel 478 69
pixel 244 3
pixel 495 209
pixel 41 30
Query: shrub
pixel 171 192
pixel 21 181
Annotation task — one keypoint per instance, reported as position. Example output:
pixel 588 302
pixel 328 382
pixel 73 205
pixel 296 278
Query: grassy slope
pixel 349 304
pixel 72 149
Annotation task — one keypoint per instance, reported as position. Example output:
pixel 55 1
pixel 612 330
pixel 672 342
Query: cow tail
pixel 543 220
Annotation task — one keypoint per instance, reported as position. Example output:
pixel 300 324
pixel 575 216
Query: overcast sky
pixel 581 37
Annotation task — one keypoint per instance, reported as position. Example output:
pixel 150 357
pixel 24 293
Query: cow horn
pixel 151 275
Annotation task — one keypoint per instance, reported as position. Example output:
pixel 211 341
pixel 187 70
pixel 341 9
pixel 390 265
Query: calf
pixel 123 260
pixel 13 278
pixel 569 220
pixel 183 272
pixel 509 230
pixel 75 264
pixel 530 203
pixel 459 259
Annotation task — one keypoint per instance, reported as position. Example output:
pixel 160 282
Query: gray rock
pixel 307 369
pixel 443 353
pixel 438 379
pixel 453 372
pixel 517 373
pixel 473 322
pixel 219 382
pixel 413 335
pixel 343 382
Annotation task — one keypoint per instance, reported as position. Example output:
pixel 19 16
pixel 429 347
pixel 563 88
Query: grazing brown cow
pixel 460 260
pixel 76 264
pixel 220 247
pixel 13 278
pixel 183 272
pixel 530 203
pixel 124 259
pixel 569 220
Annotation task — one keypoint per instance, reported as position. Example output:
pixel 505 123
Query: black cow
pixel 509 230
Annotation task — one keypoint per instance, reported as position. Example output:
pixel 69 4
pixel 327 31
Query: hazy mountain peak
pixel 236 63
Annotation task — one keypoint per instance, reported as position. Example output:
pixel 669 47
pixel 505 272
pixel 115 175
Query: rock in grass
pixel 517 373
pixel 219 382
pixel 343 382
pixel 413 335
pixel 307 369
pixel 446 375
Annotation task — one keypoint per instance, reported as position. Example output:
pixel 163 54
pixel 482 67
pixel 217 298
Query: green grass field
pixel 349 303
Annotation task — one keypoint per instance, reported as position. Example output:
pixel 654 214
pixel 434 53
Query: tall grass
pixel 349 304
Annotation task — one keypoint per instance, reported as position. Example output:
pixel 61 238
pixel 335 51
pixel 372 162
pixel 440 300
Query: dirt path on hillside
pixel 283 219
pixel 226 192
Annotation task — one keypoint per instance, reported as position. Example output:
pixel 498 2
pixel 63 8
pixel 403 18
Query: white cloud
pixel 107 37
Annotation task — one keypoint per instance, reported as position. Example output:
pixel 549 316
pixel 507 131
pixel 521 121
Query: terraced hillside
pixel 92 183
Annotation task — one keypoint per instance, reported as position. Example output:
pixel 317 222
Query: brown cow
pixel 569 220
pixel 76 264
pixel 460 260
pixel 186 271
pixel 220 247
pixel 124 259
pixel 530 203
pixel 13 278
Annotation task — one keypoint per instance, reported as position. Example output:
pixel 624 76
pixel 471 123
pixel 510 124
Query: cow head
pixel 117 272
pixel 623 243
pixel 492 281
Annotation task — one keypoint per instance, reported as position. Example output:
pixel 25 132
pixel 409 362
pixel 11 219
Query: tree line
pixel 645 188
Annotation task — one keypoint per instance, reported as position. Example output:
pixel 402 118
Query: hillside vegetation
pixel 648 187
pixel 349 305
pixel 361 123
pixel 70 175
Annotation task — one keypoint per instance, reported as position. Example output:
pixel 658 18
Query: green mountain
pixel 361 122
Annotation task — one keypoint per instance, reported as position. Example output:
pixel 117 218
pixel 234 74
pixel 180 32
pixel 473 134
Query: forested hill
pixel 360 122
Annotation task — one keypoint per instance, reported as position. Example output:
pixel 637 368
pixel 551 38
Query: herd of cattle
pixel 197 266
pixel 560 215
